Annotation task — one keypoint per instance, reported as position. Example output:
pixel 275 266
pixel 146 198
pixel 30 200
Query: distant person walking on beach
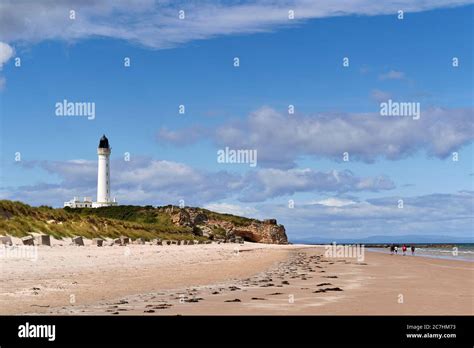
pixel 396 249
pixel 413 250
pixel 392 249
pixel 404 249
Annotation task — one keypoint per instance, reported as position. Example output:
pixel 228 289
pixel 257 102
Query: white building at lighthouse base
pixel 76 202
pixel 104 204
pixel 87 202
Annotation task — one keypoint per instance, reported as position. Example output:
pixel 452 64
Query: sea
pixel 459 251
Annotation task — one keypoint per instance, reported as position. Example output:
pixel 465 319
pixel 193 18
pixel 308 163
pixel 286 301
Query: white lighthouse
pixel 103 174
pixel 103 181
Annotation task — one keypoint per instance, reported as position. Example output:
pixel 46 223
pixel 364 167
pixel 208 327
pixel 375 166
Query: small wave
pixel 446 251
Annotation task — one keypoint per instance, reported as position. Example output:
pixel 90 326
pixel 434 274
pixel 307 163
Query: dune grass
pixel 19 219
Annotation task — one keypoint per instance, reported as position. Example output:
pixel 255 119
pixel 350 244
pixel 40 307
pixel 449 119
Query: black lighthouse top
pixel 104 143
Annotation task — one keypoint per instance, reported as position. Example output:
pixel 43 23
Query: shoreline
pixel 418 253
pixel 436 257
pixel 231 279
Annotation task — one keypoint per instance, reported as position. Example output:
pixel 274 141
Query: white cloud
pixel 155 24
pixel 150 181
pixel 270 183
pixel 6 52
pixel 178 138
pixel 281 140
pixel 334 217
pixel 433 214
pixel 233 209
pixel 334 202
pixel 392 75
pixel 380 96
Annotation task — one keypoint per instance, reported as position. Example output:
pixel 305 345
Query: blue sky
pixel 282 62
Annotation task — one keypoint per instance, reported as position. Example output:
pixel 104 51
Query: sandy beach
pixel 229 279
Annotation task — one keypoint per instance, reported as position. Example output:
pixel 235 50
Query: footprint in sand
pixel 197 299
pixel 328 289
pixel 234 300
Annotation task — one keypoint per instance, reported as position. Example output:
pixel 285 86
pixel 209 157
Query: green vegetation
pixel 236 220
pixel 218 231
pixel 131 213
pixel 19 219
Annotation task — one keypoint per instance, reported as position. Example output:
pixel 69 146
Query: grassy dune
pixel 19 219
